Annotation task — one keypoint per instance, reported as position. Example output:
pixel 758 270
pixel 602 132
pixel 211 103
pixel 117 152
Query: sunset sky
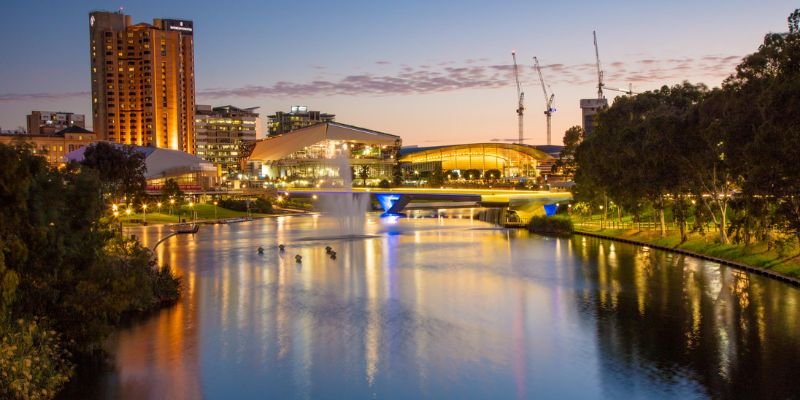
pixel 433 72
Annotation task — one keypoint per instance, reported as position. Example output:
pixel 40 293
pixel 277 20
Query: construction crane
pixel 548 100
pixel 628 91
pixel 520 97
pixel 599 70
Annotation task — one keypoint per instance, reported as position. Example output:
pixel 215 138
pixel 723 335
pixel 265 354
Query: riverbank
pixel 757 257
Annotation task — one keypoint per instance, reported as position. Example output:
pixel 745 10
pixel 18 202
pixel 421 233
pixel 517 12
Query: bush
pixel 258 205
pixel 384 184
pixel 556 224
pixel 166 287
pixel 32 363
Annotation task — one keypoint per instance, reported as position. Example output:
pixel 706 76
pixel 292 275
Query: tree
pixel 363 173
pixel 764 105
pixel 566 159
pixel 492 174
pixel 121 169
pixel 172 190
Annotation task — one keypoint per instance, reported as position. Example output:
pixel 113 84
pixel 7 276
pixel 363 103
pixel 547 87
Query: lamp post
pixel 171 203
pixel 159 207
pixel 191 208
pixel 215 210
pixel 144 210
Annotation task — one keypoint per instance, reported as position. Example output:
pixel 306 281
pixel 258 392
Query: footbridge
pixel 394 201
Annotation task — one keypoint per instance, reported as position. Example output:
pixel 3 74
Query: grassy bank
pixel 165 216
pixel 757 255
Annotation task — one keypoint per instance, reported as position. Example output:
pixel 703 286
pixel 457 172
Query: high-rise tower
pixel 142 81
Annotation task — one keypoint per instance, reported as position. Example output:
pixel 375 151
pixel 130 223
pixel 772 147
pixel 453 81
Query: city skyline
pixel 429 72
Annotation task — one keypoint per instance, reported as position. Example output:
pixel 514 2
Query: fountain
pixel 346 207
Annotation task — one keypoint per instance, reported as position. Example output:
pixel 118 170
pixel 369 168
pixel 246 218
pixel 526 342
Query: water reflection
pixel 451 308
pixel 692 325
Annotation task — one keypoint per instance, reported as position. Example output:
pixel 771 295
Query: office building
pixel 224 136
pixel 142 81
pixel 590 108
pixel 53 147
pixel 50 122
pixel 298 117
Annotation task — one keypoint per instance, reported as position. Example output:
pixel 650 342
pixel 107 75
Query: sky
pixel 434 72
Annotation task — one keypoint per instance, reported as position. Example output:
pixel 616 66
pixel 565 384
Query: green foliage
pixel 59 260
pixel 33 364
pixel 472 174
pixel 733 150
pixel 384 184
pixel 566 159
pixel 121 168
pixel 492 174
pixel 558 224
pixel 397 174
pixel 171 190
pixel 258 205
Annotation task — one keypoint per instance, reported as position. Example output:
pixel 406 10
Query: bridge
pixel 394 201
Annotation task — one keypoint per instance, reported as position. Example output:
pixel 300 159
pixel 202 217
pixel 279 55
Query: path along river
pixel 450 308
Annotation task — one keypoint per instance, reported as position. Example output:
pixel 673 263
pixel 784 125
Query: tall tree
pixel 566 159
pixel 121 169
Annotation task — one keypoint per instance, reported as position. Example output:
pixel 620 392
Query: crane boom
pixel 548 99
pixel 629 91
pixel 520 97
pixel 599 70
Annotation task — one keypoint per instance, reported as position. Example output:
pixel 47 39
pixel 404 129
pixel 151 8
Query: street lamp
pixel 144 210
pixel 159 207
pixel 171 203
pixel 191 206
pixel 215 210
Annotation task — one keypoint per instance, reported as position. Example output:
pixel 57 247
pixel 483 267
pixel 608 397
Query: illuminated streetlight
pixel 144 210
pixel 215 210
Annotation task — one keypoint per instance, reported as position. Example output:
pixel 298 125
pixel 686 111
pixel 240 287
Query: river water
pixel 450 308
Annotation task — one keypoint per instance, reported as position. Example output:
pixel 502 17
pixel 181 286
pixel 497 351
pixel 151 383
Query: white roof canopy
pixel 278 147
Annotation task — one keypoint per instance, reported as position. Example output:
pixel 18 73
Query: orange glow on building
pixel 142 81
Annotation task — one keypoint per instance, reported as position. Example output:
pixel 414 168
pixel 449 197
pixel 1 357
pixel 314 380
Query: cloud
pixel 14 97
pixel 449 76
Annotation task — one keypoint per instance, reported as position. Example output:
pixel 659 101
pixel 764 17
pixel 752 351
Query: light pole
pixel 159 207
pixel 144 210
pixel 215 210
pixel 171 203
pixel 191 208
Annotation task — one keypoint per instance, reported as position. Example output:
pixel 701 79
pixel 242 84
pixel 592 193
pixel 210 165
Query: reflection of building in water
pixel 307 155
pixel 163 349
pixel 697 321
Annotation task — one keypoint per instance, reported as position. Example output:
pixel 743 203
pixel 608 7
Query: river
pixel 449 308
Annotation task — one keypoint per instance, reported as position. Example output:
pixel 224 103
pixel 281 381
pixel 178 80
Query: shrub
pixel 384 184
pixel 258 205
pixel 166 286
pixel 32 363
pixel 556 224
